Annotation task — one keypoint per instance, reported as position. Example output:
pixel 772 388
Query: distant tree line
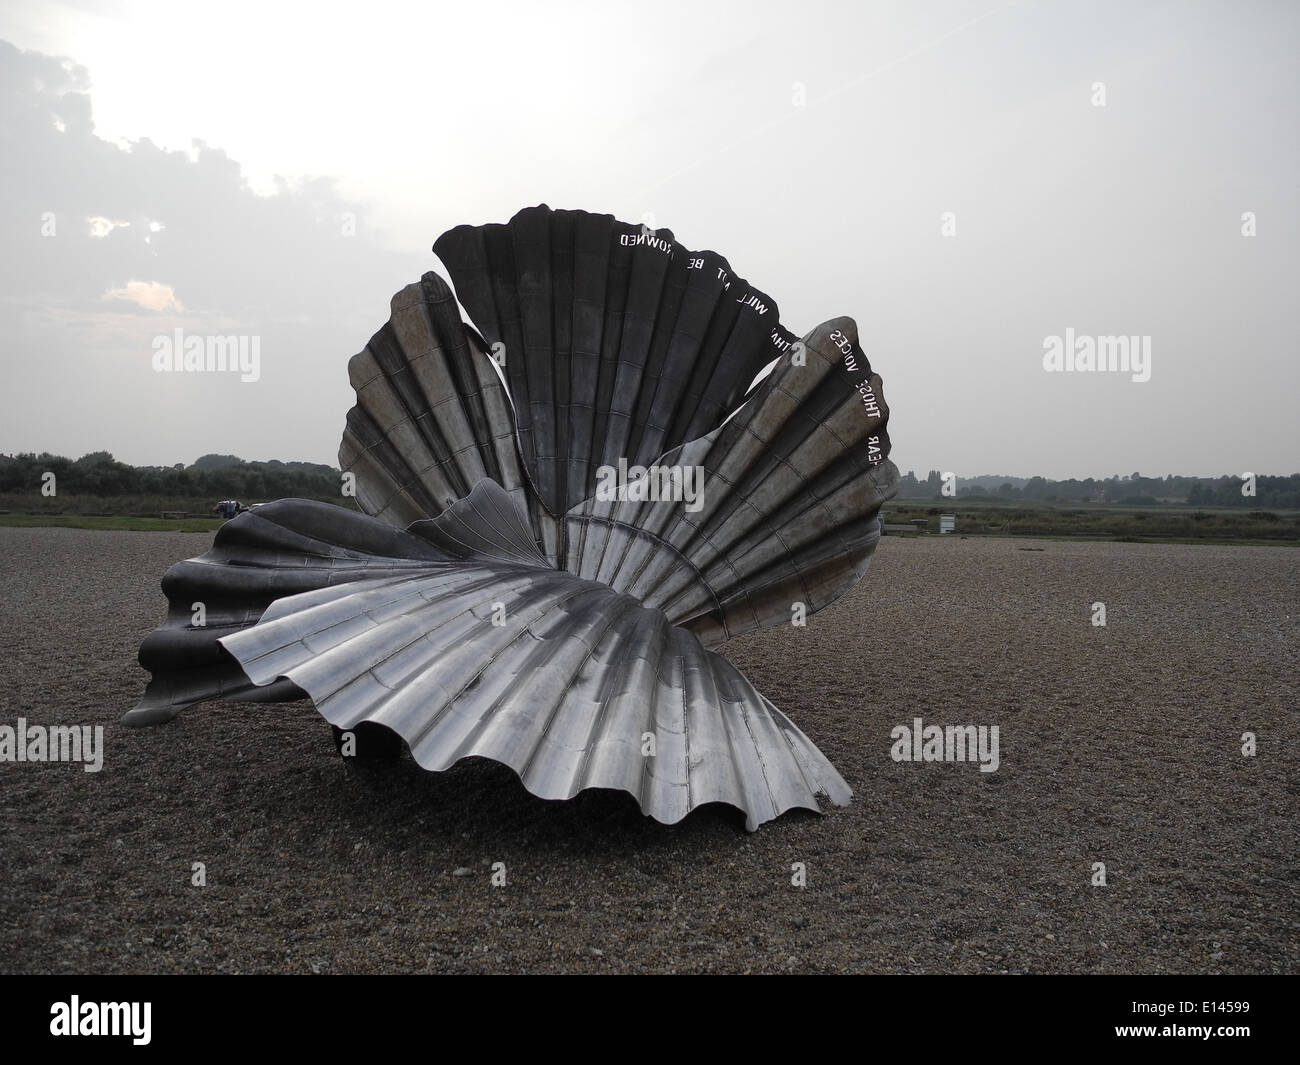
pixel 210 477
pixel 230 477
pixel 1134 490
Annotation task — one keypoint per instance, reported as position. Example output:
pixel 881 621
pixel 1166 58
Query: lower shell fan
pixel 547 553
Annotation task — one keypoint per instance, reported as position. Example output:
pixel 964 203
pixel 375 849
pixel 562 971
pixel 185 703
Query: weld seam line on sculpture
pixel 656 638
pixel 684 411
pixel 465 388
pixel 585 519
pixel 550 602
pixel 649 380
pixel 526 303
pixel 522 361
pixel 718 556
pixel 722 557
pixel 479 726
pixel 715 475
pixel 360 556
pixel 380 431
pixel 627 542
pixel 758 751
pixel 655 534
pixel 732 361
pixel 474 410
pixel 440 451
pixel 397 509
pixel 584 567
pixel 636 433
pixel 368 455
pixel 424 635
pixel 474 553
pixel 443 576
pixel 470 408
pixel 686 726
pixel 717 668
pixel 482 264
pixel 641 504
pixel 213 625
pixel 541 526
pixel 871 430
pixel 499 535
pixel 588 348
pixel 596 730
pixel 636 368
pixel 510 551
pixel 663 380
pixel 372 709
pixel 465 471
pixel 301 616
pixel 846 447
pixel 604 547
pixel 407 612
pixel 600 406
pixel 790 560
pixel 378 371
pixel 434 441
pixel 801 484
pixel 817 494
pixel 815 787
pixel 874 474
pixel 433 655
pixel 642 270
pixel 718 396
pixel 561 474
pixel 278 598
pixel 650 556
pixel 511 519
pixel 417 492
pixel 527 480
pixel 577 558
pixel 397 490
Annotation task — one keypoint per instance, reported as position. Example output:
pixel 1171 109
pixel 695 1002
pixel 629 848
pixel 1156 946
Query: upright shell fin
pixel 786 508
pixel 618 341
pixel 432 417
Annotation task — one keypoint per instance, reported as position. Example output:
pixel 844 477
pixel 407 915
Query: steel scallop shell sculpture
pixel 529 579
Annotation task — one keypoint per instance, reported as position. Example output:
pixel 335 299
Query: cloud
pixel 99 239
pixel 150 295
pixel 100 227
pixel 82 214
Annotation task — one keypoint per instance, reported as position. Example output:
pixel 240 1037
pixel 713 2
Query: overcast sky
pixel 169 165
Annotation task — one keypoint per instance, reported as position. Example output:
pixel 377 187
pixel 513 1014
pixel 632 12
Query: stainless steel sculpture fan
pixel 548 553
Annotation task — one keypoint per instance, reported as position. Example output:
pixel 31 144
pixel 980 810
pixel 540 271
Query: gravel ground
pixel 1119 745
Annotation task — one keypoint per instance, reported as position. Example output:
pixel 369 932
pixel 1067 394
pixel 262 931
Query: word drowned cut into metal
pixel 487 598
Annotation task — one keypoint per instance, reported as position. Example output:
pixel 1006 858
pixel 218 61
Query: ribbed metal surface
pixel 568 682
pixel 496 604
pixel 788 511
pixel 618 342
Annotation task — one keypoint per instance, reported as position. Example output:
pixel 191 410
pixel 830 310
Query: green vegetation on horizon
pixel 211 477
pixel 1277 493
pixel 110 523
pixel 97 492
pixel 1102 522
